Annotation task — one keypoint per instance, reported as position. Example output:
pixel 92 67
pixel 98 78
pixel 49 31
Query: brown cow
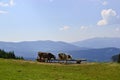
pixel 63 56
pixel 45 56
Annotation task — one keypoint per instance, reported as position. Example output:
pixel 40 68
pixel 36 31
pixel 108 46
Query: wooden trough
pixel 77 61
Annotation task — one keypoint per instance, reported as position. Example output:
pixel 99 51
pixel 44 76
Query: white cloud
pixel 117 29
pixel 3 12
pixel 83 28
pixel 11 3
pixel 102 22
pixel 64 28
pixel 109 16
pixel 104 3
pixel 2 4
pixel 7 4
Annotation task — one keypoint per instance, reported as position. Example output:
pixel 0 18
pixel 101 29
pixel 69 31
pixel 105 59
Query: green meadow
pixel 29 70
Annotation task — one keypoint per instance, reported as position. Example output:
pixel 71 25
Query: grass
pixel 28 70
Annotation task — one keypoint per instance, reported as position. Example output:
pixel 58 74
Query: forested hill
pixel 9 55
pixel 100 55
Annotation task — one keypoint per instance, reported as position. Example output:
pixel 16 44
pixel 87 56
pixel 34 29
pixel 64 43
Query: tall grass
pixel 28 70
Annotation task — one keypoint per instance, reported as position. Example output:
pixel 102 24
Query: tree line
pixel 9 55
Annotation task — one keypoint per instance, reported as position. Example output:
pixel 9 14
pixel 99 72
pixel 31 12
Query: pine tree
pixel 9 55
pixel 118 58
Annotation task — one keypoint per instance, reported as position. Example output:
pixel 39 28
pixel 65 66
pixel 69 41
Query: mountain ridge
pixel 30 49
pixel 99 43
pixel 100 55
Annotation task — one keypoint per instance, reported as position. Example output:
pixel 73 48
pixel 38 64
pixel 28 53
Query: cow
pixel 45 56
pixel 64 57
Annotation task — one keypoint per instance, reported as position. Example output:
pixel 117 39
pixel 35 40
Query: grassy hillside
pixel 28 70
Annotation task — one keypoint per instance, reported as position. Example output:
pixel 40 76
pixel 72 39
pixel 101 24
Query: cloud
pixel 83 28
pixel 117 29
pixel 10 3
pixel 64 28
pixel 102 2
pixel 102 23
pixel 7 4
pixel 109 17
pixel 3 12
pixel 105 3
pixel 2 4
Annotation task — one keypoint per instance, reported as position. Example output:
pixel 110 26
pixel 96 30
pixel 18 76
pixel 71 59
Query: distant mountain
pixel 99 43
pixel 30 48
pixel 101 55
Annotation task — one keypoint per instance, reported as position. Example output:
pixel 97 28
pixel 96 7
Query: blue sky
pixel 58 20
